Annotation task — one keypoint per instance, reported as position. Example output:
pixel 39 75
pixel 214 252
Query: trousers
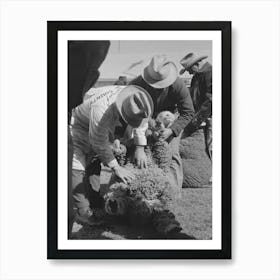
pixel 86 168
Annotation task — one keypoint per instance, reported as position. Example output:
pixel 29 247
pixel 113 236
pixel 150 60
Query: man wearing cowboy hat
pixel 201 93
pixel 93 127
pixel 169 93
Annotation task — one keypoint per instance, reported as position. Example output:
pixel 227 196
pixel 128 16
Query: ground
pixel 195 219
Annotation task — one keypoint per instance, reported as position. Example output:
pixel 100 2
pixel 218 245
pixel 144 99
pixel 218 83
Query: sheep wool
pixel 119 151
pixel 161 152
pixel 149 198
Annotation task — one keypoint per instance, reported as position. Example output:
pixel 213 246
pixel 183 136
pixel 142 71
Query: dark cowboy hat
pixel 189 60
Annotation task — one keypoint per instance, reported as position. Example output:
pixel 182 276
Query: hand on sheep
pixel 140 157
pixel 165 133
pixel 125 175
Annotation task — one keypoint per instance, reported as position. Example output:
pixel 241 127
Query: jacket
pixel 201 87
pixel 99 116
pixel 175 98
pixel 84 59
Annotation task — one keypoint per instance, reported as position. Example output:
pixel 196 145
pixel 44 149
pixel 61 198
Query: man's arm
pixel 100 127
pixel 205 109
pixel 184 105
pixel 103 119
pixel 208 82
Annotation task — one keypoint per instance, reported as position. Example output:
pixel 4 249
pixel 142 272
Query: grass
pixel 196 220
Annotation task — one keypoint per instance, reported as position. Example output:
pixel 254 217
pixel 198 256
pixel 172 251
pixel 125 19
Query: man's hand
pixel 125 175
pixel 140 157
pixel 165 133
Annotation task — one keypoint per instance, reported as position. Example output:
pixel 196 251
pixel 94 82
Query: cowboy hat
pixel 189 60
pixel 160 73
pixel 134 104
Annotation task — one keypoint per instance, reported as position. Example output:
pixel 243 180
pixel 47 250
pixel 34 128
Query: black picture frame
pixel 52 102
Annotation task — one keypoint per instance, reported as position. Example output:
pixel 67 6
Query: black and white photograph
pixel 144 145
pixel 141 139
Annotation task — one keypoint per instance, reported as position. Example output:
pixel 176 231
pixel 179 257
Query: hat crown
pixel 190 59
pixel 186 61
pixel 160 72
pixel 159 67
pixel 135 105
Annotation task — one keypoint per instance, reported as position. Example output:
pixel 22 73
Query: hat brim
pixel 190 64
pixel 126 93
pixel 182 71
pixel 162 83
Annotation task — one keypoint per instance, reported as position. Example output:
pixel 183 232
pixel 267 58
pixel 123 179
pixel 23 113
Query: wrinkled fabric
pixel 201 87
pixel 84 59
pixel 201 93
pixel 94 123
pixel 175 98
pixel 92 128
pixel 79 192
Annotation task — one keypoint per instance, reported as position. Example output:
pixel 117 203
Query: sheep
pixel 149 198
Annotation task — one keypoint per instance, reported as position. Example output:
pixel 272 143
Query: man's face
pixel 194 69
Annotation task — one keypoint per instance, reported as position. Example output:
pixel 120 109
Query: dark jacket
pixel 201 86
pixel 84 59
pixel 174 98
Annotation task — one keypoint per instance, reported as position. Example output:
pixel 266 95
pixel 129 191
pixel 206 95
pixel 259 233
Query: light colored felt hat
pixel 160 73
pixel 189 60
pixel 134 104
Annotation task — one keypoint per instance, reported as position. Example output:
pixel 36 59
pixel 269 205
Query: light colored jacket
pixel 99 116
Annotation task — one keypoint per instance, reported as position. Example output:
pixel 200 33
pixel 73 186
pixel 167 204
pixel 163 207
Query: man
pixel 169 93
pixel 93 127
pixel 121 81
pixel 201 93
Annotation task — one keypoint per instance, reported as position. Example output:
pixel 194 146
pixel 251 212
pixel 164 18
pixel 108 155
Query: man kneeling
pixel 93 126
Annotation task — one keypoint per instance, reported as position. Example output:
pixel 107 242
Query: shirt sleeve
pixel 102 122
pixel 206 107
pixel 139 134
pixel 184 105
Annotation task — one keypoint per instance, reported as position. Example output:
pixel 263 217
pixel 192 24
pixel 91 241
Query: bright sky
pixel 130 57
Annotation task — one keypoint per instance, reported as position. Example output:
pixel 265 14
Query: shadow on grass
pixel 119 231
